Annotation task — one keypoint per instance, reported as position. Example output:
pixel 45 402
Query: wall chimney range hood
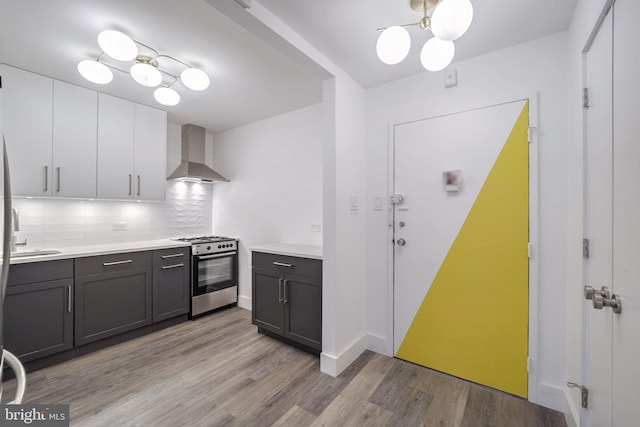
pixel 192 167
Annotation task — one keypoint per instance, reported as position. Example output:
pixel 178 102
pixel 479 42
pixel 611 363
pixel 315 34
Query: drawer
pixel 288 264
pixel 113 262
pixel 171 256
pixel 43 271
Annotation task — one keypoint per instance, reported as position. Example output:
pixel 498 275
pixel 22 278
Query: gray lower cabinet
pixel 171 274
pixel 113 295
pixel 38 309
pixel 287 297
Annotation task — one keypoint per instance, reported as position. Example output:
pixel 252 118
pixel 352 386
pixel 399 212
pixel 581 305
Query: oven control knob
pixel 208 248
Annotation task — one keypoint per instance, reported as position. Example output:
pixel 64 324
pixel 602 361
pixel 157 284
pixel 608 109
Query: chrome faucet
pixel 15 220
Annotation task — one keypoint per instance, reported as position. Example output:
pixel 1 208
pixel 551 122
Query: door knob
pixel 401 242
pixel 603 298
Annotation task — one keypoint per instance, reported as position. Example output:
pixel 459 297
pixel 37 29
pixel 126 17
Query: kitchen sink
pixel 34 252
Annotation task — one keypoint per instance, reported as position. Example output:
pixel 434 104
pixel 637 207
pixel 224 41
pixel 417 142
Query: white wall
pixel 584 19
pixel 511 73
pixel 275 193
pixel 49 223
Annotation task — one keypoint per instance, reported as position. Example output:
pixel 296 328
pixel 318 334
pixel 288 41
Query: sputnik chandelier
pixel 149 68
pixel 449 19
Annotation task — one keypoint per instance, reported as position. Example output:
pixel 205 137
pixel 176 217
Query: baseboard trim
pixel 551 396
pixel 244 302
pixel 334 365
pixel 379 344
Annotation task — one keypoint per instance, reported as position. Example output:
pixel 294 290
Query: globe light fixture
pixel 393 45
pixel 117 45
pixel 195 79
pixel 147 67
pixel 166 96
pixel 448 21
pixel 436 54
pixel 451 19
pixel 94 71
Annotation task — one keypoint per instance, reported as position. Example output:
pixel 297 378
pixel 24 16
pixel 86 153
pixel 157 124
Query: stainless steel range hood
pixel 192 167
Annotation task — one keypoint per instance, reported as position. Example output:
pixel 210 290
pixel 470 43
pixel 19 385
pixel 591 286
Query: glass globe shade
pixel 393 45
pixel 195 79
pixel 146 75
pixel 117 45
pixel 436 54
pixel 95 71
pixel 451 19
pixel 166 96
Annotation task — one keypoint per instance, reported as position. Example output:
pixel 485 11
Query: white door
pixel 27 118
pixel 613 212
pixel 626 212
pixel 150 153
pixel 75 116
pixel 115 147
pixel 461 234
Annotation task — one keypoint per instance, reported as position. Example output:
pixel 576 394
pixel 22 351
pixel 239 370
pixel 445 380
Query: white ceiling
pixel 250 79
pixel 345 30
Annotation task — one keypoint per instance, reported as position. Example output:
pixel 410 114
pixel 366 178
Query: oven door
pixel 214 272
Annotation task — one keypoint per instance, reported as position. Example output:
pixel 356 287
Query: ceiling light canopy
pixel 448 21
pixel 150 69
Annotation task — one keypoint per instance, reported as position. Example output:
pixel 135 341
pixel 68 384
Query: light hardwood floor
pixel 218 371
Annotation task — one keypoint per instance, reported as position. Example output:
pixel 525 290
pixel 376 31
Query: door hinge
pixel 530 132
pixel 585 97
pixel 529 249
pixel 396 199
pixel 528 365
pixel 585 248
pixel 584 393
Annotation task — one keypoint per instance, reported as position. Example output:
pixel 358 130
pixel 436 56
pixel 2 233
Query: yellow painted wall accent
pixel 473 322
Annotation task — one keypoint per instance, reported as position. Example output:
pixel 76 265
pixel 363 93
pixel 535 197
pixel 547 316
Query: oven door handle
pixel 215 256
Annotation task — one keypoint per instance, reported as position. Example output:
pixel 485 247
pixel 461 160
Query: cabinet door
pixel 170 283
pixel 38 319
pixel 150 153
pixel 303 310
pixel 27 120
pixel 112 303
pixel 267 300
pixel 115 147
pixel 75 116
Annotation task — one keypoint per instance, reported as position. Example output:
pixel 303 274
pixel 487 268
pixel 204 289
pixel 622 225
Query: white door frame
pixel 533 221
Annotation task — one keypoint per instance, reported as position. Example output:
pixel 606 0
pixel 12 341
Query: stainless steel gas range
pixel 214 272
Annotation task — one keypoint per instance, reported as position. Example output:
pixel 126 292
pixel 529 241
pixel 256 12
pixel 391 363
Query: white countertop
pixel 290 249
pixel 104 249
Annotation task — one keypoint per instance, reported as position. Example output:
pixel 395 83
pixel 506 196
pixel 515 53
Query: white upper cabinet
pixel 115 147
pixel 75 116
pixel 28 121
pixel 132 145
pixel 150 152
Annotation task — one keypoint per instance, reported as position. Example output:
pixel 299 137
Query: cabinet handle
pixel 285 290
pixel 282 264
pixel 107 264
pixel 46 178
pixel 280 290
pixel 167 267
pixel 171 256
pixel 138 185
pixel 69 299
pixel 130 183
pixel 58 183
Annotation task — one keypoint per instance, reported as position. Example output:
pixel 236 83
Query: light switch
pixel 315 228
pixel 353 203
pixel 450 78
pixel 377 203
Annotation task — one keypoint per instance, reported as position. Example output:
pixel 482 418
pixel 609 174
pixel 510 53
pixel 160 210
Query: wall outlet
pixel 378 203
pixel 450 78
pixel 315 228
pixel 353 203
pixel 119 226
